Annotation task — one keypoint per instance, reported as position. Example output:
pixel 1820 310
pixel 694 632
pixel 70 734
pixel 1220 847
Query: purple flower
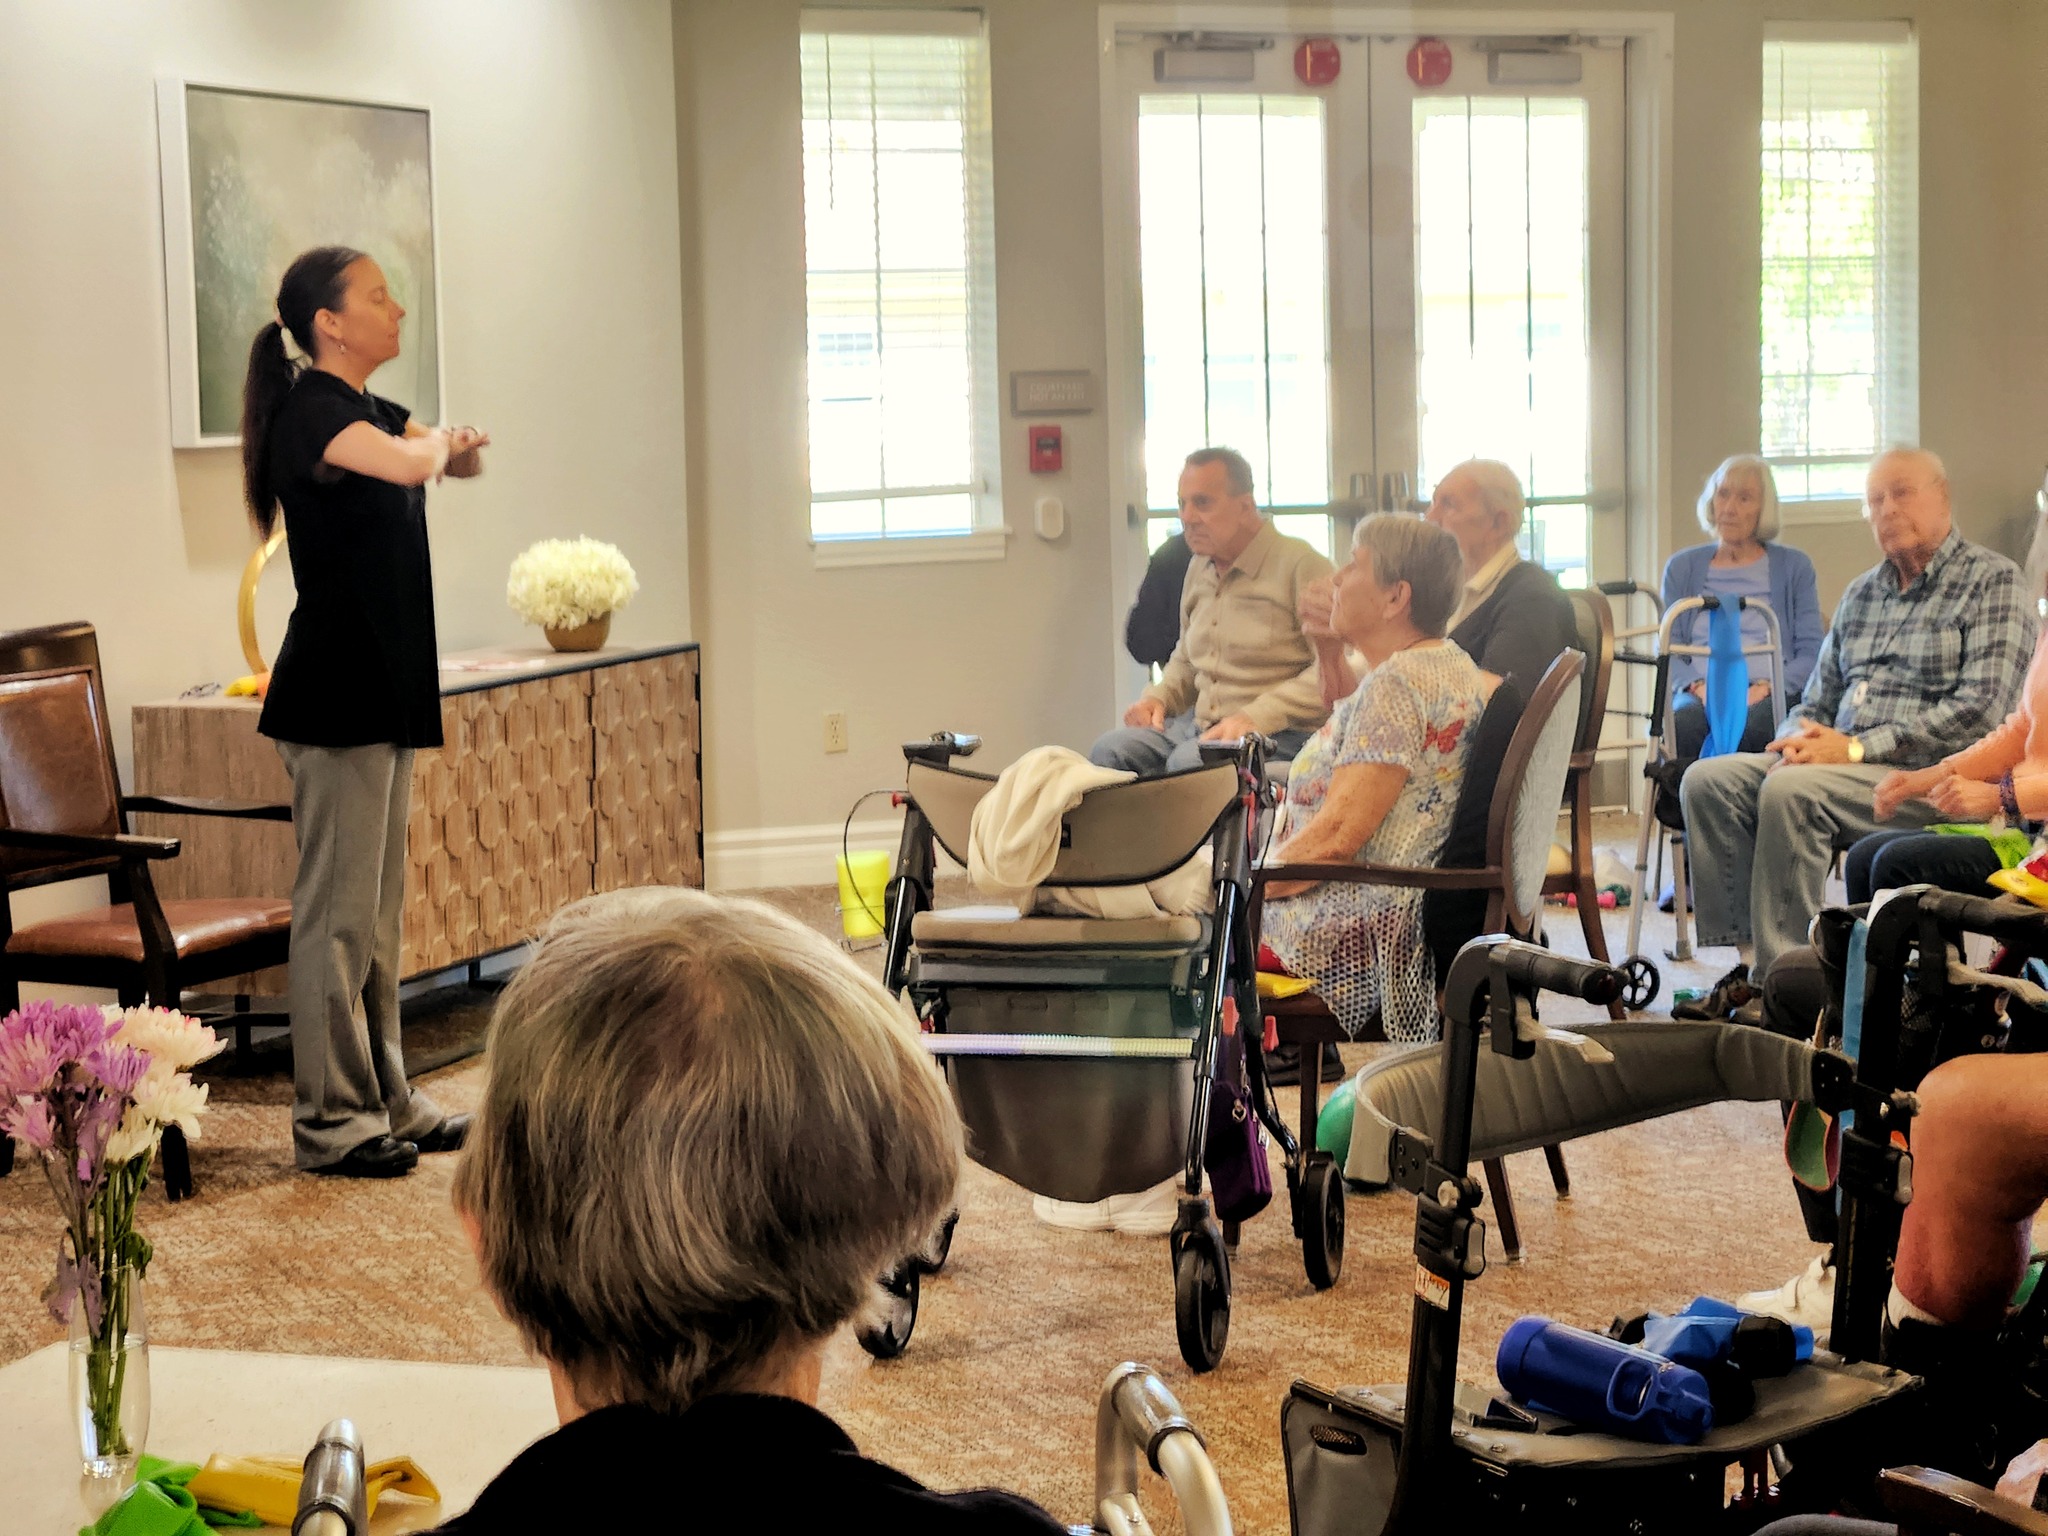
pixel 38 1041
pixel 28 1121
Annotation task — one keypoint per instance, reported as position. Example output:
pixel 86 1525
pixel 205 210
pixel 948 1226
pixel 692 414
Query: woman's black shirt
pixel 733 1462
pixel 359 663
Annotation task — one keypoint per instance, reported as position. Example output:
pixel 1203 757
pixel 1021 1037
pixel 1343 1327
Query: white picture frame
pixel 280 172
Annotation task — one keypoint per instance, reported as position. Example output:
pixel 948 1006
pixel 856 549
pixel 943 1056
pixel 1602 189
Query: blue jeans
pixel 1141 750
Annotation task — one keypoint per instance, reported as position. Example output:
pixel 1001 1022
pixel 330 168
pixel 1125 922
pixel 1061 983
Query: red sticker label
pixel 1429 61
pixel 1317 61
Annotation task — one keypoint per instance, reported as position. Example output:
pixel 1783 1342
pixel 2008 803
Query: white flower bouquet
pixel 566 583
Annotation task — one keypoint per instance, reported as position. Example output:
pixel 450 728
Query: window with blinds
pixel 900 279
pixel 1841 312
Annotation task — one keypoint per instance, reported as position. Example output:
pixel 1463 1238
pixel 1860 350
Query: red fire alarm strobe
pixel 1429 61
pixel 1045 450
pixel 1317 61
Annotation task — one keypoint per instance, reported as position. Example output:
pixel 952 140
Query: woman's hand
pixel 1316 607
pixel 1899 786
pixel 1759 691
pixel 1280 890
pixel 1966 799
pixel 465 451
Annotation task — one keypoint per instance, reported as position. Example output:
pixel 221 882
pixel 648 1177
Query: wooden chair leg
pixel 1560 1176
pixel 1503 1208
pixel 6 1156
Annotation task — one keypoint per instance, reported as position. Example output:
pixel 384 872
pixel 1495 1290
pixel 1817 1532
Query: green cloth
pixel 2010 844
pixel 160 1505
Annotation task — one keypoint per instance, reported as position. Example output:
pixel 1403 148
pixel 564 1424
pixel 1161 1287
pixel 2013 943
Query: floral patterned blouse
pixel 1362 945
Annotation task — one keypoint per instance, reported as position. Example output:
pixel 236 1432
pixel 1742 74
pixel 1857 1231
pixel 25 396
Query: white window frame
pixel 989 537
pixel 1896 256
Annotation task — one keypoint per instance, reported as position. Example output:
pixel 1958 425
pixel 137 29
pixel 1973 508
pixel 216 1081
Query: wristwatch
pixel 1855 749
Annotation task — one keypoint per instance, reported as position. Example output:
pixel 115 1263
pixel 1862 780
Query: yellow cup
pixel 863 889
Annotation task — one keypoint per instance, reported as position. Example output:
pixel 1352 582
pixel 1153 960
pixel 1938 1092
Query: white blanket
pixel 1014 842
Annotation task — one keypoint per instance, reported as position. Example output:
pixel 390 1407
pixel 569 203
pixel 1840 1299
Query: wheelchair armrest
pixel 124 846
pixel 186 805
pixel 1927 1500
pixel 941 747
pixel 1476 879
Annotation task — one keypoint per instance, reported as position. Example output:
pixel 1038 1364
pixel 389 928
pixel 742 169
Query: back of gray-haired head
pixel 1500 488
pixel 1237 469
pixel 704 1133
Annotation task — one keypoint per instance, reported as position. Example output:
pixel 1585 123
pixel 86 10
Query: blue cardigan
pixel 1795 599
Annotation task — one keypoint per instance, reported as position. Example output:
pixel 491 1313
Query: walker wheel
pixel 889 1335
pixel 933 1259
pixel 1322 1210
pixel 1642 984
pixel 1201 1296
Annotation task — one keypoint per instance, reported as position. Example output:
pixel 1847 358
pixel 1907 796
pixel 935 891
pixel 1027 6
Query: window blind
pixel 1841 255
pixel 900 281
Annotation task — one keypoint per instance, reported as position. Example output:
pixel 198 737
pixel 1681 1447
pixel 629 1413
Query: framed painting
pixel 251 179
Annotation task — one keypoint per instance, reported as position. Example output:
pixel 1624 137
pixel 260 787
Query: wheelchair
pixel 1083 1053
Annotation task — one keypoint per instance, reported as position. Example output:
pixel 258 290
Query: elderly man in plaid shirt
pixel 1926 655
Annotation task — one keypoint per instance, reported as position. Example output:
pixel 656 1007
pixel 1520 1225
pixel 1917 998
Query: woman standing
pixel 1739 507
pixel 355 691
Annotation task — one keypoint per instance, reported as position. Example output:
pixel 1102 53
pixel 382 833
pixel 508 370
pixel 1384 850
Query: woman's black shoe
pixel 378 1158
pixel 1721 1000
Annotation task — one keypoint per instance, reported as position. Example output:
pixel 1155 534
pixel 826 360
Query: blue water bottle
pixel 1595 1381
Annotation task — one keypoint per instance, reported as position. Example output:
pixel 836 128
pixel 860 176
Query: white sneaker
pixel 1148 1213
pixel 1807 1298
pixel 1074 1215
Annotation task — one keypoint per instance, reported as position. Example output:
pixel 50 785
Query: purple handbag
pixel 1240 1177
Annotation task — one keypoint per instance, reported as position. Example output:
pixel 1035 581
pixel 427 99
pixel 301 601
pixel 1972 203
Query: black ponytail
pixel 315 281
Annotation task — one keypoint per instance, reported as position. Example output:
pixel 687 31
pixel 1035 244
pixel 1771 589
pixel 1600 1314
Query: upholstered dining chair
pixel 63 817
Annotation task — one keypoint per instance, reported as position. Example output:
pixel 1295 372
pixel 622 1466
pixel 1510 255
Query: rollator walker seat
pixel 1082 1051
pixel 1436 1454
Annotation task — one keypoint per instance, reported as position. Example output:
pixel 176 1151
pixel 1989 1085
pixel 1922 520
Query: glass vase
pixel 110 1387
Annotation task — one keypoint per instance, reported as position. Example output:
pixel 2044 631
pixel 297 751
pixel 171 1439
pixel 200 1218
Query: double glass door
pixel 1359 283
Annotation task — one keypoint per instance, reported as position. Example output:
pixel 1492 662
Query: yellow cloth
pixel 269 1485
pixel 1273 985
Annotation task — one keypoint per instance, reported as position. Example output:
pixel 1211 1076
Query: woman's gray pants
pixel 349 809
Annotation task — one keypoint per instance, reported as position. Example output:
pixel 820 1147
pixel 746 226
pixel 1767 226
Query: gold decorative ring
pixel 245 600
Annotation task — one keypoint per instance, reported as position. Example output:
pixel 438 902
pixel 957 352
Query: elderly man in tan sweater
pixel 1242 664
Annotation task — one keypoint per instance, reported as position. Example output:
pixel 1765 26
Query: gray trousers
pixel 1141 750
pixel 349 809
pixel 1760 843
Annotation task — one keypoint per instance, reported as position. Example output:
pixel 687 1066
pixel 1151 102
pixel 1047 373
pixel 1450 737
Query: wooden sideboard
pixel 562 775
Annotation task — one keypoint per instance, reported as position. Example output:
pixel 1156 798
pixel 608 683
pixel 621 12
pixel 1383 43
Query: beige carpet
pixel 1018 1332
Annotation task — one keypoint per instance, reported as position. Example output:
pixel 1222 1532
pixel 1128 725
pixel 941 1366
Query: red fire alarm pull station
pixel 1317 61
pixel 1045 450
pixel 1429 61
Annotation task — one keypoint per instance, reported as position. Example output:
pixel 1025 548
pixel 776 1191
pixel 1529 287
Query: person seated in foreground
pixel 1241 664
pixel 1379 782
pixel 2000 780
pixel 1926 651
pixel 704 1134
pixel 1980 1172
pixel 1739 507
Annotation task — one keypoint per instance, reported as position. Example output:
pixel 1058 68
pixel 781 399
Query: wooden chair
pixel 1595 622
pixel 1521 817
pixel 63 817
pixel 1930 1503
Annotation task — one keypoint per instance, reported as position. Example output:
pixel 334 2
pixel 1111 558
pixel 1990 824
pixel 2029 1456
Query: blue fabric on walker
pixel 1727 682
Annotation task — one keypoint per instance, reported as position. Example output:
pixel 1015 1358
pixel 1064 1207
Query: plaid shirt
pixel 1925 672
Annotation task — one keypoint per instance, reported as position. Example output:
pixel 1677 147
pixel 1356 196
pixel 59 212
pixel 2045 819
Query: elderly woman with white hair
pixel 704 1133
pixel 1739 507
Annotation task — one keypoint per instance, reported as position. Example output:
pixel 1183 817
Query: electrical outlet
pixel 835 732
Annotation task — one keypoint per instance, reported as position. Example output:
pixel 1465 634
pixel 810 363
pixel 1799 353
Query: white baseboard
pixel 803 855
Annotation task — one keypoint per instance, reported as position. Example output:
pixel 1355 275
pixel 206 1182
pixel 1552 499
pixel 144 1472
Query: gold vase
pixel 588 636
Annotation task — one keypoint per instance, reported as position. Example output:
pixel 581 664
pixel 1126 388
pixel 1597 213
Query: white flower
pixel 564 583
pixel 166 1036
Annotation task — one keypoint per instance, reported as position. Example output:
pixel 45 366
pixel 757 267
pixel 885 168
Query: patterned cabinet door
pixel 502 833
pixel 649 815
